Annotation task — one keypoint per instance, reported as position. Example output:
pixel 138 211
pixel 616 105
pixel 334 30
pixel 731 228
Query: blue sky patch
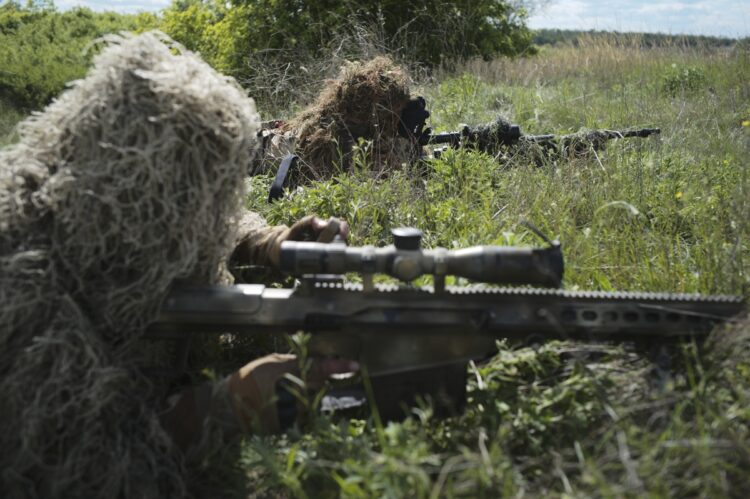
pixel 729 18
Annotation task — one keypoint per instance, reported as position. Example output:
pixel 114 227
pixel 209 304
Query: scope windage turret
pixel 406 261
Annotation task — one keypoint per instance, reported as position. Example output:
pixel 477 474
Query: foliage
pixel 219 33
pixel 426 31
pixel 8 119
pixel 677 80
pixel 42 49
pixel 275 49
pixel 668 213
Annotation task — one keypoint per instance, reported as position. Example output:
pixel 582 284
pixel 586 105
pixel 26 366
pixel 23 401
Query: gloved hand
pixel 245 401
pixel 263 246
pixel 312 228
pixel 254 389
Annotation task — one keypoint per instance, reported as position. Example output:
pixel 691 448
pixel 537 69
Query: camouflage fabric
pixel 257 243
pixel 274 144
pixel 122 186
pixel 365 103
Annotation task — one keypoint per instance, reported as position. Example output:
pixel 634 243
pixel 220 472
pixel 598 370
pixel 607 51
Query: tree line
pixel 42 48
pixel 645 40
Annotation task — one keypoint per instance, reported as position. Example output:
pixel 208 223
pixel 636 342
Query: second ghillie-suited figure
pixel 365 102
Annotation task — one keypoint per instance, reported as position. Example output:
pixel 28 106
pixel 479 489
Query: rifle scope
pixel 405 260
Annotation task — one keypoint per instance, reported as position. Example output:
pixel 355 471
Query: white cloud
pixel 668 7
pixel 705 17
pixel 570 14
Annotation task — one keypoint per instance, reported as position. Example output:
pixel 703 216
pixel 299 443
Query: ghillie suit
pixel 364 102
pixel 124 184
pixel 488 137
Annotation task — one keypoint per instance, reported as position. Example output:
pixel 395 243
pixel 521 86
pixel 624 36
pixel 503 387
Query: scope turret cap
pixel 407 238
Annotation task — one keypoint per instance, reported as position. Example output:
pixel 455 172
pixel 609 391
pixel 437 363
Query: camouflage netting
pixel 583 143
pixel 490 136
pixel 125 183
pixel 365 101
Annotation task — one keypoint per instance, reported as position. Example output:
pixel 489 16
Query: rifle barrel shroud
pixel 416 340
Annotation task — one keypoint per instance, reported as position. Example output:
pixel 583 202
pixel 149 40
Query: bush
pixel 42 49
pixel 428 31
pixel 678 80
pixel 274 48
pixel 8 119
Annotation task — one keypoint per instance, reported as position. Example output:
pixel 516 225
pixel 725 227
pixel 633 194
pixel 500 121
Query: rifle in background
pixel 493 136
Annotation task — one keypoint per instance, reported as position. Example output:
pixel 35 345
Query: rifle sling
pixel 277 187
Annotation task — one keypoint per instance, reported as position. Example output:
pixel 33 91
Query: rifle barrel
pixel 397 332
pixel 601 134
pixel 638 132
pixel 451 138
pixel 390 311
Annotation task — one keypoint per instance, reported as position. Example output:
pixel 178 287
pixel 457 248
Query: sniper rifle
pixel 416 341
pixel 500 133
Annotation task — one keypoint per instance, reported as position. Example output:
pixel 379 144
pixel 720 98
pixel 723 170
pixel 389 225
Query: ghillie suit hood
pixel 124 184
pixel 365 101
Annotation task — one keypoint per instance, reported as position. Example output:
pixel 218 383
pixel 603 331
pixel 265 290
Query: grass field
pixel 670 213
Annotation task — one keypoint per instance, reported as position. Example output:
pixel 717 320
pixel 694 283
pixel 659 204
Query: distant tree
pixel 646 40
pixel 429 32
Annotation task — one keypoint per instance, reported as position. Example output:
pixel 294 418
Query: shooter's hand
pixel 312 228
pixel 262 246
pixel 255 389
pixel 247 400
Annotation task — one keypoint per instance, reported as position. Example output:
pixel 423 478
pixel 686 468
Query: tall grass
pixel 668 213
pixel 664 213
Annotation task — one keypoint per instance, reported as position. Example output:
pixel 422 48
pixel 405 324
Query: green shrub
pixel 428 32
pixel 42 49
pixel 678 80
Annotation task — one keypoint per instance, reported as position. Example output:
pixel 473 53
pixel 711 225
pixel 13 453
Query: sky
pixel 730 18
pixel 124 6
